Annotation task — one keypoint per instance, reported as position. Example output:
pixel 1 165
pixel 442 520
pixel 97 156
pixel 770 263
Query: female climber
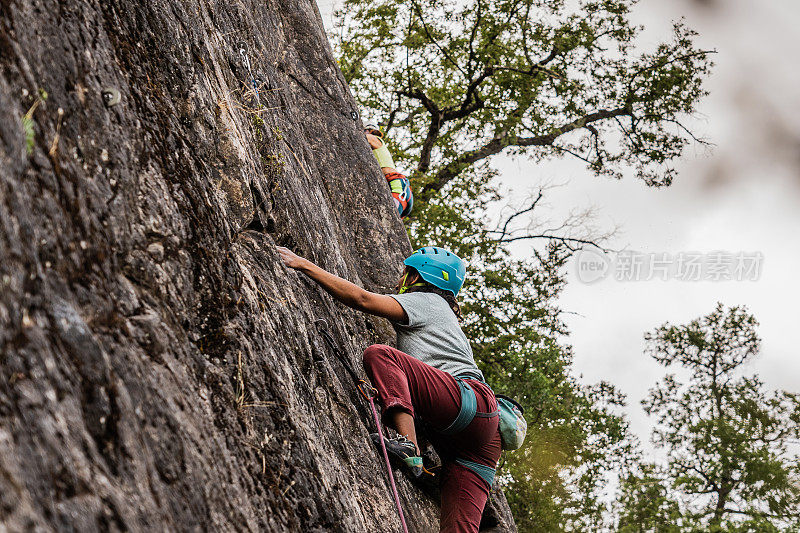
pixel 431 376
pixel 398 183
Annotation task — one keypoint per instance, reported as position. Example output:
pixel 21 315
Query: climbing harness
pixel 401 187
pixel 468 410
pixel 246 62
pixel 512 424
pixel 371 398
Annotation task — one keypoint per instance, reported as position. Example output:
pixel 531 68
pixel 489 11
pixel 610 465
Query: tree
pixel 727 438
pixel 456 83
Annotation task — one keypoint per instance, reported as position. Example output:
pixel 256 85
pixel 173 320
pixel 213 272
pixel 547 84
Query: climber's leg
pixel 409 385
pixel 403 423
pixel 464 495
pixel 401 192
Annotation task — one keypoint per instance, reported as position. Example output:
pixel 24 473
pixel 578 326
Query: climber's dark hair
pixel 427 287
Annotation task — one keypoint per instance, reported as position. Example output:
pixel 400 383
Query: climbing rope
pixel 371 398
pixel 361 384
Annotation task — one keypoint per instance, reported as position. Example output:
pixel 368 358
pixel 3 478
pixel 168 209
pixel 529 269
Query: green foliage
pixel 28 122
pixel 647 504
pixel 27 128
pixel 455 83
pixel 729 460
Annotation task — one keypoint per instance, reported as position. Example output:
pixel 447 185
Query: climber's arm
pixel 374 141
pixel 348 293
pixel 381 153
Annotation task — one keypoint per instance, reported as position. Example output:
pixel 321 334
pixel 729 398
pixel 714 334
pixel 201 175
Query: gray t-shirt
pixel 433 334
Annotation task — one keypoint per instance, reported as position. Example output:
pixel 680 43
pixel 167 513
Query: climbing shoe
pixel 402 452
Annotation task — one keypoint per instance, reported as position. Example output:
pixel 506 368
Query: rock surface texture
pixel 159 368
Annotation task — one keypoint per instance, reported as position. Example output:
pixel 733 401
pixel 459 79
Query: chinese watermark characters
pixel 594 265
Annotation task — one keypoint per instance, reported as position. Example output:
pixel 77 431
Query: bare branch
pixel 528 209
pixel 563 232
pixel 569 242
pixel 573 153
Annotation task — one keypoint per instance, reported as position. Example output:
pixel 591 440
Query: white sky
pixel 743 196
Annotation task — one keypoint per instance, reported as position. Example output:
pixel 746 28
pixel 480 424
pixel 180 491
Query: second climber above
pixel 398 183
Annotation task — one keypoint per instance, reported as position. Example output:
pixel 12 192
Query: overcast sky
pixel 744 196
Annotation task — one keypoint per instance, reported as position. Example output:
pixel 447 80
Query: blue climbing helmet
pixel 439 267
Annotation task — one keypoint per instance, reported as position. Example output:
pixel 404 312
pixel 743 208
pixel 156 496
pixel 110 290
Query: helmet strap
pixel 404 287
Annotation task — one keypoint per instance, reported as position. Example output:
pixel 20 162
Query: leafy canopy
pixel 647 504
pixel 456 82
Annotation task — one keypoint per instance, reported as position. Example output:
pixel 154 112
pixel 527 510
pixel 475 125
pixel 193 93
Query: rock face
pixel 159 368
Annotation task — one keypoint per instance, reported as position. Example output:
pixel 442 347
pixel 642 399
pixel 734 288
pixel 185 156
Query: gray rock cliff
pixel 159 368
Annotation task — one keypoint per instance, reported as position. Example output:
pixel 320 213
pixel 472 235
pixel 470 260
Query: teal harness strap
pixel 468 411
pixel 486 472
pixel 469 406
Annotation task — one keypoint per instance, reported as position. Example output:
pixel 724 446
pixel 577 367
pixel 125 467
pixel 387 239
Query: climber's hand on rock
pixel 289 258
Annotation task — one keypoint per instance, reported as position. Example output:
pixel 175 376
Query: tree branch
pixel 569 242
pixel 553 54
pixel 502 140
pixel 528 209
pixel 761 514
pixel 433 128
pixel 442 50
pixel 668 61
pixel 471 100
pixel 478 17
pixel 430 141
pixel 418 94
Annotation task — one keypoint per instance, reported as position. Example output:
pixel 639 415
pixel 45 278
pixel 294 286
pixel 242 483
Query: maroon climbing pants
pixel 432 395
